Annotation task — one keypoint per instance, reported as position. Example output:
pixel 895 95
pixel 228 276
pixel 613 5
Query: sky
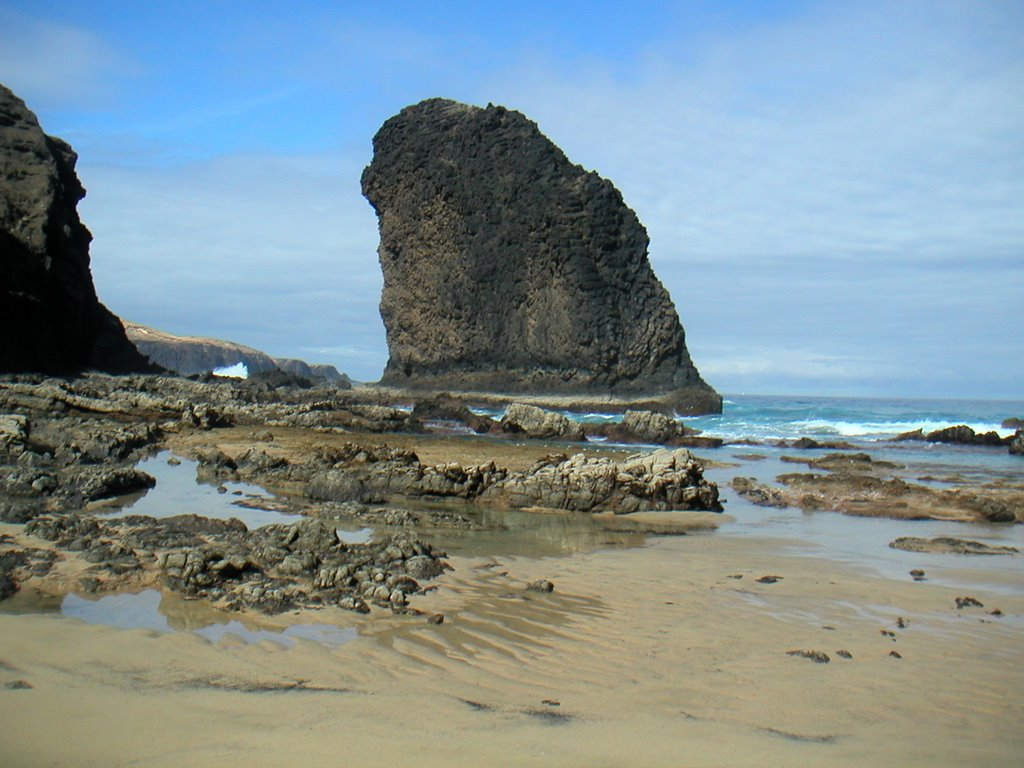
pixel 834 192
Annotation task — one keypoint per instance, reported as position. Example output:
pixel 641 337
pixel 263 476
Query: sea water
pixel 761 417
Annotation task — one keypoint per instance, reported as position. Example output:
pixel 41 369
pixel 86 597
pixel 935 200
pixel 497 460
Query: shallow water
pixel 159 612
pixel 865 541
pixel 178 491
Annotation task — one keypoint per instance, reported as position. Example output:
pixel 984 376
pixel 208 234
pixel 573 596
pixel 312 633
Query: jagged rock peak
pixel 50 318
pixel 508 268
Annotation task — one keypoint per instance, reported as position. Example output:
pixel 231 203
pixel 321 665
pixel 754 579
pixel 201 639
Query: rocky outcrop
pixel 662 480
pixel 1017 443
pixel 271 569
pixel 960 434
pixel 539 424
pixel 189 355
pixel 50 318
pixel 950 545
pixel 507 268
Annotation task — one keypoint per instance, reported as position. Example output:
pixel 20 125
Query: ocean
pixel 868 420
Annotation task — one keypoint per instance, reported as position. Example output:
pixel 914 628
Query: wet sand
pixel 655 655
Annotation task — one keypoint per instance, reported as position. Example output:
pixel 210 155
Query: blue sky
pixel 834 191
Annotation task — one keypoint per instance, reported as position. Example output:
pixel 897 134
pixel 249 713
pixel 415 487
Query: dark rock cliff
pixel 50 318
pixel 508 268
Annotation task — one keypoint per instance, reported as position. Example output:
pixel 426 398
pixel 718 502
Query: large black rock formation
pixel 50 318
pixel 508 268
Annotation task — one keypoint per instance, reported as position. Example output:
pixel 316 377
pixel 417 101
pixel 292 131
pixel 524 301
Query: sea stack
pixel 50 318
pixel 507 268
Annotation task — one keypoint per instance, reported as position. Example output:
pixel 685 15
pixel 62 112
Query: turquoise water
pixel 762 417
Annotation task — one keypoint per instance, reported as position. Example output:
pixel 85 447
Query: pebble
pixel 918 575
pixel 435 618
pixel 819 657
pixel 844 654
pixel 769 579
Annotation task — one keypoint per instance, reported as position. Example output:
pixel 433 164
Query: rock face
pixel 508 268
pixel 50 318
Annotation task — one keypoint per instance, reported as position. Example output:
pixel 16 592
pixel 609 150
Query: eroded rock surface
pixel 508 268
pixel 662 480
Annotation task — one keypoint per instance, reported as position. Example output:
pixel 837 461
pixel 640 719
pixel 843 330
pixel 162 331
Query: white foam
pixel 889 428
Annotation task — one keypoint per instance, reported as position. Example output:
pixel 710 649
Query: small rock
pixel 844 654
pixel 769 579
pixel 819 657
pixel 968 602
pixel 888 633
pixel 551 702
pixel 221 489
pixel 901 623
pixel 918 575
pixel 995 612
pixel 895 654
pixel 541 585
pixel 435 618
pixel 174 462
pixel 18 685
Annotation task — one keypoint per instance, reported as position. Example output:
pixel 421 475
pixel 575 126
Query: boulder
pixel 507 268
pixel 540 424
pixel 1017 443
pixel 50 318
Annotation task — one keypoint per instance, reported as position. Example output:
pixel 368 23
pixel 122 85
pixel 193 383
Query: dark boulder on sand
pixel 507 268
pixel 50 318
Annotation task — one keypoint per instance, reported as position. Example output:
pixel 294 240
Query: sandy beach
pixel 658 655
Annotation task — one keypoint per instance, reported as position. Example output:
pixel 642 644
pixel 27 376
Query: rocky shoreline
pixel 70 445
